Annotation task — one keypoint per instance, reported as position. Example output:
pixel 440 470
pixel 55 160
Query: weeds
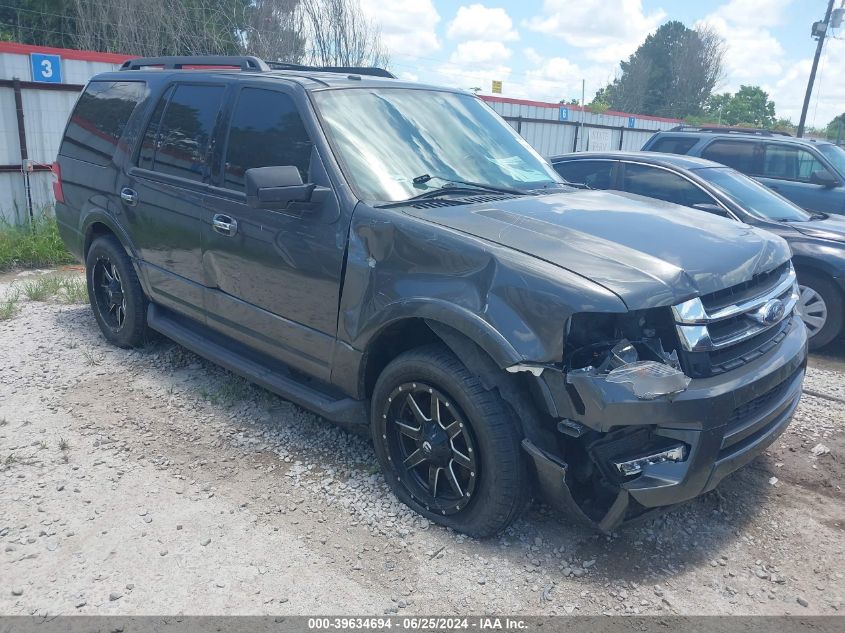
pixel 92 358
pixel 3 421
pixel 67 289
pixel 63 445
pixel 42 288
pixel 9 305
pixel 73 290
pixel 230 391
pixel 32 246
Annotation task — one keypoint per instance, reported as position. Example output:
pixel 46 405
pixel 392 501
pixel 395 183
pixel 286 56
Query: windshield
pixel 387 137
pixel 752 196
pixel 835 155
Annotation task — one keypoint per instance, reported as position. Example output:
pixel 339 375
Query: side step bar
pixel 271 375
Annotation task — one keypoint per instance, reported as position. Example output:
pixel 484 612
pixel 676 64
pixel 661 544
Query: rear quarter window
pixel 97 122
pixel 741 155
pixel 673 144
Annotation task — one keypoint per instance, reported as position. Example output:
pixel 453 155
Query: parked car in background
pixel 809 173
pixel 817 240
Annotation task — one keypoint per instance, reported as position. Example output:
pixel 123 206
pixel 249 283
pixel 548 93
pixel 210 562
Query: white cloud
pixel 534 58
pixel 753 54
pixel 607 30
pixel 828 99
pixel 407 26
pixel 468 77
pixel 480 52
pixel 479 22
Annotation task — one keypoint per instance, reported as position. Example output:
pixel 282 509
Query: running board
pixel 263 371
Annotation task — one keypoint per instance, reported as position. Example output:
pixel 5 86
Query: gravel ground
pixel 152 482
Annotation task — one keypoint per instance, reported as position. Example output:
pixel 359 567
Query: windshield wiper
pixel 452 187
pixel 450 184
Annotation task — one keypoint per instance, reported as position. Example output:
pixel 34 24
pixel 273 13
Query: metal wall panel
pixel 10 150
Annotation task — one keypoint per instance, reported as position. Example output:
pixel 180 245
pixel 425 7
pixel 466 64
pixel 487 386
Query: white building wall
pixel 45 114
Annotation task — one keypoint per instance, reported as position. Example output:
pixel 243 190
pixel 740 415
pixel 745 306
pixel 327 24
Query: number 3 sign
pixel 46 68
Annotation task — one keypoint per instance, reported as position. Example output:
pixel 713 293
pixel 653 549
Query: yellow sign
pixel 497 87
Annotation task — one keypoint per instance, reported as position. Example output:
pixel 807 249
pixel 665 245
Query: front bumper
pixel 725 421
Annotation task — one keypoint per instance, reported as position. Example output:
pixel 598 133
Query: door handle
pixel 129 196
pixel 224 225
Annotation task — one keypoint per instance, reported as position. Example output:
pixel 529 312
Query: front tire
pixel 448 448
pixel 820 306
pixel 115 293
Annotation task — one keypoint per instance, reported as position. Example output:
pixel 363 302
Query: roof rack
pixel 355 70
pixel 718 129
pixel 244 62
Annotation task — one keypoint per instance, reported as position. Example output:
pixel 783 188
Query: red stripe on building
pixel 65 53
pixel 576 108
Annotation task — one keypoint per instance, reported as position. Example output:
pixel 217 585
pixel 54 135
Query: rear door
pixel 664 184
pixel 275 276
pixel 788 168
pixel 163 193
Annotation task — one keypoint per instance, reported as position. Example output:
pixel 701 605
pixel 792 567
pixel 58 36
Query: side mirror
pixel 276 188
pixel 715 209
pixel 824 178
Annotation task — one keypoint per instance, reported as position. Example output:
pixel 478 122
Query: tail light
pixel 58 193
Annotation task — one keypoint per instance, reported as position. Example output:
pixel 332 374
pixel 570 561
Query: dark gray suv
pixel 396 258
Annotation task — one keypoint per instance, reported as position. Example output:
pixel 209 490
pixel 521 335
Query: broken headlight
pixel 629 351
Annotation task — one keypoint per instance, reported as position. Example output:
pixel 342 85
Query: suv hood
pixel 648 252
pixel 831 228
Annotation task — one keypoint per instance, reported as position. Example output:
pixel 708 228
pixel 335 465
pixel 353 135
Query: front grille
pixel 755 418
pixel 728 328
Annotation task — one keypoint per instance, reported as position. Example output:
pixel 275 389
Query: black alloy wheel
pixel 108 292
pixel 432 447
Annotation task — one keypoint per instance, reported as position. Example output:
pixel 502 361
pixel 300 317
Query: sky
pixel 542 49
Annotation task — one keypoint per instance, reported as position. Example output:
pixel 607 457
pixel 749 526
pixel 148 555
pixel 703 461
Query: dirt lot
pixel 151 482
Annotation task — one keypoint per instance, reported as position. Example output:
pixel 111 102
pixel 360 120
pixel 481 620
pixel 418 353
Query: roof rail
pixel 354 70
pixel 244 62
pixel 718 129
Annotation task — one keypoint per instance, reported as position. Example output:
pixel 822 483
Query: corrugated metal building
pixel 38 88
pixel 554 128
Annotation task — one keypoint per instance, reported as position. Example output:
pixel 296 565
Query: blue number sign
pixel 632 122
pixel 564 114
pixel 46 68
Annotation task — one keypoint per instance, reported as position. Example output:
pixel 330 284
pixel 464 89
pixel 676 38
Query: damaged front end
pixel 636 433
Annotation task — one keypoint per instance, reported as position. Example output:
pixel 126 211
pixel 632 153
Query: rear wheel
pixel 115 293
pixel 449 449
pixel 820 306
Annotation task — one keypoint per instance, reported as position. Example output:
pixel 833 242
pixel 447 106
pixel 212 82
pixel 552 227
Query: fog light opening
pixel 635 466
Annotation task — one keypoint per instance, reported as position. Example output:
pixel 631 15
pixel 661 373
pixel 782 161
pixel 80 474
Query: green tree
pixel 39 22
pixel 835 130
pixel 750 106
pixel 672 73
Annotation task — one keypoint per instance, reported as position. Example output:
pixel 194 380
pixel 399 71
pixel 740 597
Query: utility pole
pixel 820 29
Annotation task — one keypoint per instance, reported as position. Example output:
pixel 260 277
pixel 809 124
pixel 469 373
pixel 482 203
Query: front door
pixel 162 194
pixel 788 169
pixel 273 276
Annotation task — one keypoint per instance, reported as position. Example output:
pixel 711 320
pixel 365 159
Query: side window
pixel 664 185
pixel 787 162
pixel 596 174
pixel 99 118
pixel 673 144
pixel 148 144
pixel 741 155
pixel 178 143
pixel 266 130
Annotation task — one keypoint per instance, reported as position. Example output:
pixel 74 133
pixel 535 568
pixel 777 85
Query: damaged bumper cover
pixel 721 422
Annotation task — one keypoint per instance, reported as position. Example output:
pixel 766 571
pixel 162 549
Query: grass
pixel 32 246
pixel 9 305
pixel 42 288
pixel 92 358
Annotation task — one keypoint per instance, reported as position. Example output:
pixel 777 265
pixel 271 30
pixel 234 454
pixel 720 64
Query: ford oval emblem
pixel 770 312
